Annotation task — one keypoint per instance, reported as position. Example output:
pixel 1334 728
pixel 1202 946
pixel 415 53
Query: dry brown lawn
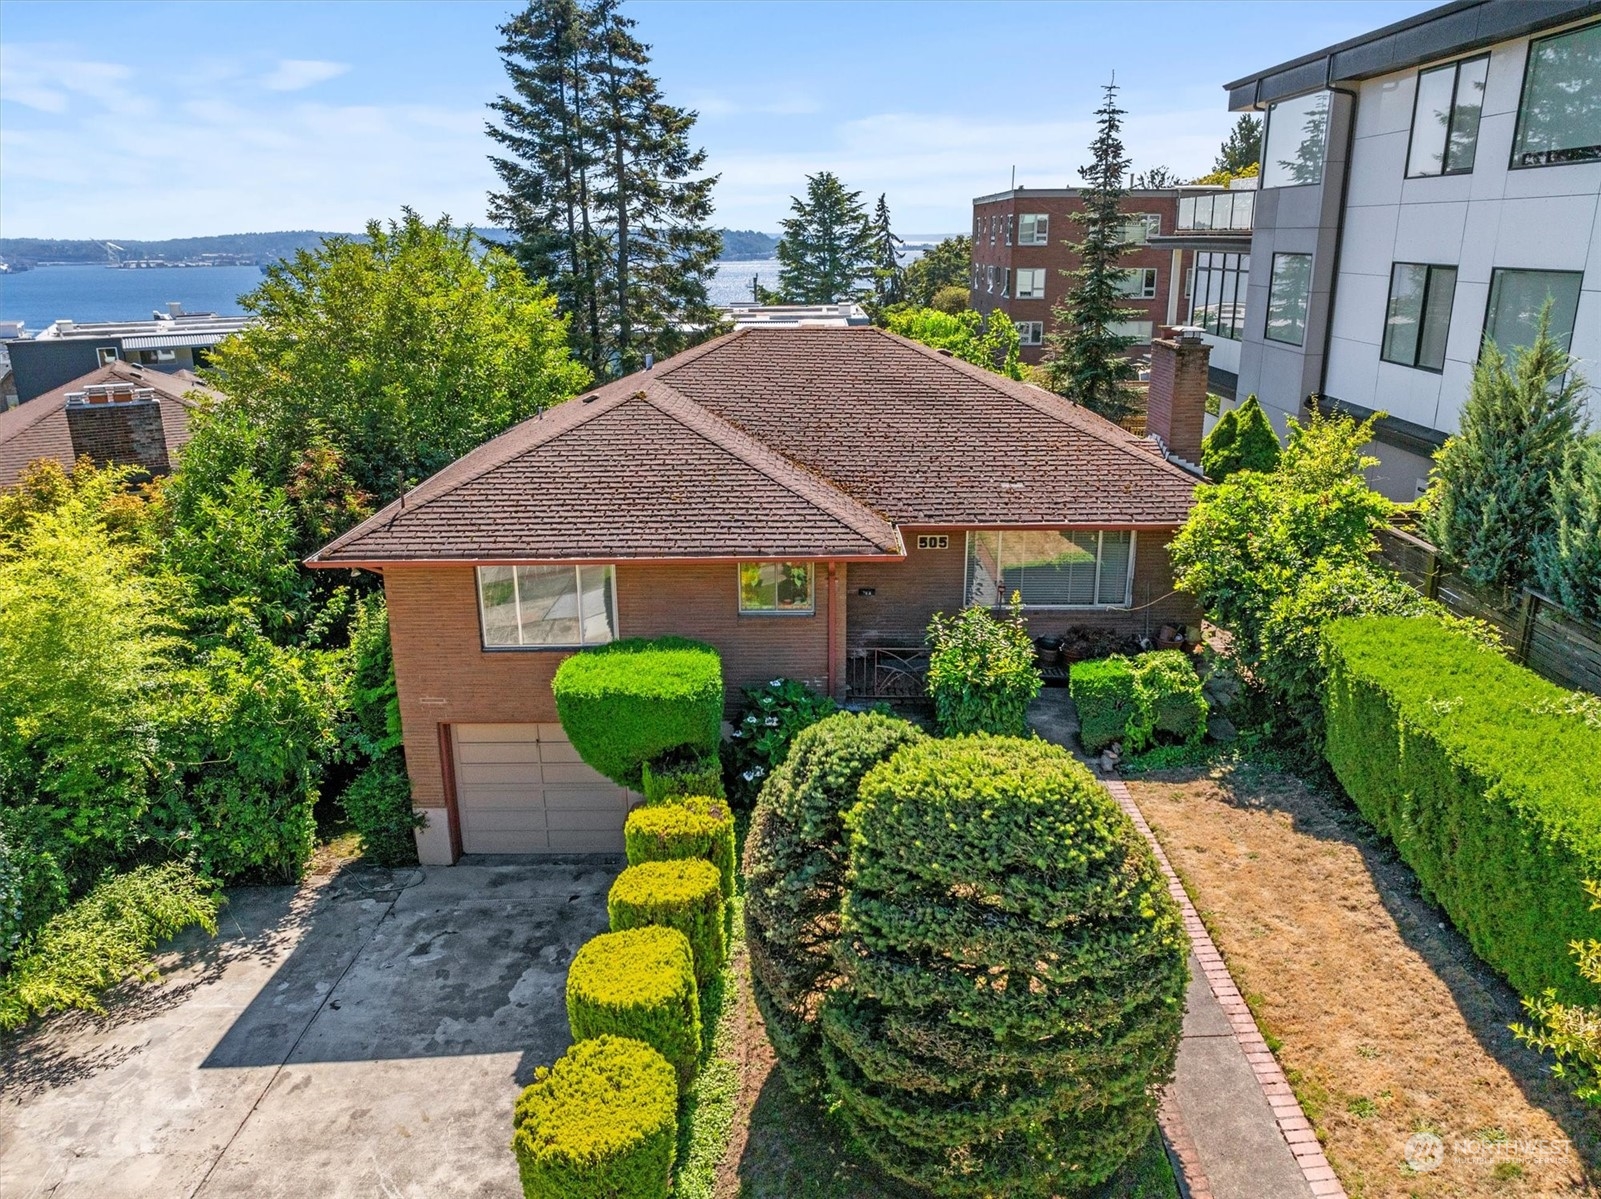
pixel 1382 1018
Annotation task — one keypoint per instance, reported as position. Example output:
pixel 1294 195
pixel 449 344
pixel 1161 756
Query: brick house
pixel 1021 244
pixel 800 498
pixel 118 414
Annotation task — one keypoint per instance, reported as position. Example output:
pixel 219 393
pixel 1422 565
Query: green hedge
pixel 694 826
pixel 1131 700
pixel 795 861
pixel 623 704
pixel 669 778
pixel 1486 778
pixel 1011 973
pixel 686 895
pixel 640 984
pixel 599 1124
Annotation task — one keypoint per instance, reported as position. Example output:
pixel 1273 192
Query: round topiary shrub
pixel 628 702
pixel 641 984
pixel 685 894
pixel 599 1124
pixel 1012 973
pixel 694 826
pixel 795 874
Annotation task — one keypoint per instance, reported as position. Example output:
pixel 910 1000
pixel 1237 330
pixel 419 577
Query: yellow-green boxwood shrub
pixel 628 702
pixel 686 894
pixel 1485 777
pixel 599 1124
pixel 795 859
pixel 639 983
pixel 666 778
pixel 693 826
pixel 1012 973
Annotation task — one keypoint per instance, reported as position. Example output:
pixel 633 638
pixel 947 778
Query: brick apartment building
pixel 1020 248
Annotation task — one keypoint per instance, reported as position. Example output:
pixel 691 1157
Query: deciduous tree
pixel 948 264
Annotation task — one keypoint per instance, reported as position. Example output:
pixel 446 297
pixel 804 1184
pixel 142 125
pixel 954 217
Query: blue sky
pixel 149 120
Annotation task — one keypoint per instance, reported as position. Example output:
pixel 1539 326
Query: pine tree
pixel 1491 495
pixel 1086 359
pixel 887 273
pixel 1242 148
pixel 600 184
pixel 826 252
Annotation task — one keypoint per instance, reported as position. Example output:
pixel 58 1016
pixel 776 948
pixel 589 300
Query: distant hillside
pixel 747 243
pixel 266 247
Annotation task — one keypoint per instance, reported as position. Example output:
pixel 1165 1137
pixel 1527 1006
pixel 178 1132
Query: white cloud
pixel 293 74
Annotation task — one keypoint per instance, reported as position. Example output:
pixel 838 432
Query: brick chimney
pixel 118 424
pixel 1176 408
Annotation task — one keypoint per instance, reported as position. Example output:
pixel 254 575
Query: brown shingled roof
pixel 38 428
pixel 773 443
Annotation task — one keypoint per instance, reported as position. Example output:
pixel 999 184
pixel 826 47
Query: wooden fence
pixel 1536 631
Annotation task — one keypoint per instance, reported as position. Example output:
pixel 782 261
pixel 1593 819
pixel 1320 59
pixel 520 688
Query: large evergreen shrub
pixel 641 984
pixel 685 894
pixel 1242 439
pixel 1012 973
pixel 1132 700
pixel 1567 556
pixel 982 674
pixel 628 702
pixel 1491 497
pixel 795 874
pixel 1485 777
pixel 599 1124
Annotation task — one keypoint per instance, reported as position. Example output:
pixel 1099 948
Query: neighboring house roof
pixel 38 428
pixel 776 442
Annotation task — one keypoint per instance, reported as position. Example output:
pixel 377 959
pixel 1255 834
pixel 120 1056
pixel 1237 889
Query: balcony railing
pixel 1217 212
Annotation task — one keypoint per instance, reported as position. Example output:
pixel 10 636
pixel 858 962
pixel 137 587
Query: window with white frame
pixel 1050 568
pixel 776 589
pixel 546 607
pixel 1031 283
pixel 1445 118
pixel 1559 116
pixel 994 228
pixel 1138 331
pixel 1034 229
pixel 1295 142
pixel 1288 293
pixel 1140 227
pixel 1030 333
pixel 1418 315
pixel 1138 284
pixel 1006 282
pixel 1009 219
pixel 108 355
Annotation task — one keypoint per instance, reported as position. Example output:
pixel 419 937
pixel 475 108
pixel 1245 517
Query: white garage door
pixel 522 788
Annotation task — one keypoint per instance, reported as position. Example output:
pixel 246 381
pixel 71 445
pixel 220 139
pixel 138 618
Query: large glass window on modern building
pixel 1516 300
pixel 1559 118
pixel 1296 142
pixel 1051 569
pixel 1418 315
pixel 1287 294
pixel 1217 293
pixel 1445 118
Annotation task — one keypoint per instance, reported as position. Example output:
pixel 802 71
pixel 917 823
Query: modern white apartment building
pixel 1425 188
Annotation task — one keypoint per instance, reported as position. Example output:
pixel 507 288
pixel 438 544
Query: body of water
pixel 98 293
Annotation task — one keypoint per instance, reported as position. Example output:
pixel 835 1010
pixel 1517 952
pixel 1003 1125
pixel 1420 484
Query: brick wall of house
pixel 990 250
pixel 445 676
pixel 129 433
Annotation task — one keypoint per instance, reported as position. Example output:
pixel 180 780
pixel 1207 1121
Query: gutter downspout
pixel 834 601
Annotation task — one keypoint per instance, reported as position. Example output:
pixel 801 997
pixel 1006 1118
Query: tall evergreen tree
pixel 1243 146
pixel 826 252
pixel 1086 358
pixel 888 278
pixel 601 186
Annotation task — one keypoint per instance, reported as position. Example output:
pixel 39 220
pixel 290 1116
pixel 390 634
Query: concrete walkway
pixel 1230 1119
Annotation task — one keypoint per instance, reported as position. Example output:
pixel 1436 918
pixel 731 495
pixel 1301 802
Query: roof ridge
pixel 1075 415
pixel 760 456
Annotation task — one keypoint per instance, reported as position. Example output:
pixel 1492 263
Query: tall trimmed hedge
pixel 1485 777
pixel 686 895
pixel 1012 973
pixel 1131 700
pixel 639 983
pixel 693 826
pixel 602 1123
pixel 626 703
pixel 795 858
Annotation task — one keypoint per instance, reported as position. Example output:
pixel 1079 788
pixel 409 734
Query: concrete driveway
pixel 362 1035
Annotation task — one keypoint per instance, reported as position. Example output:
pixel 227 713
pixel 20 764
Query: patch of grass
pixel 1361 1107
pixel 1507 1172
